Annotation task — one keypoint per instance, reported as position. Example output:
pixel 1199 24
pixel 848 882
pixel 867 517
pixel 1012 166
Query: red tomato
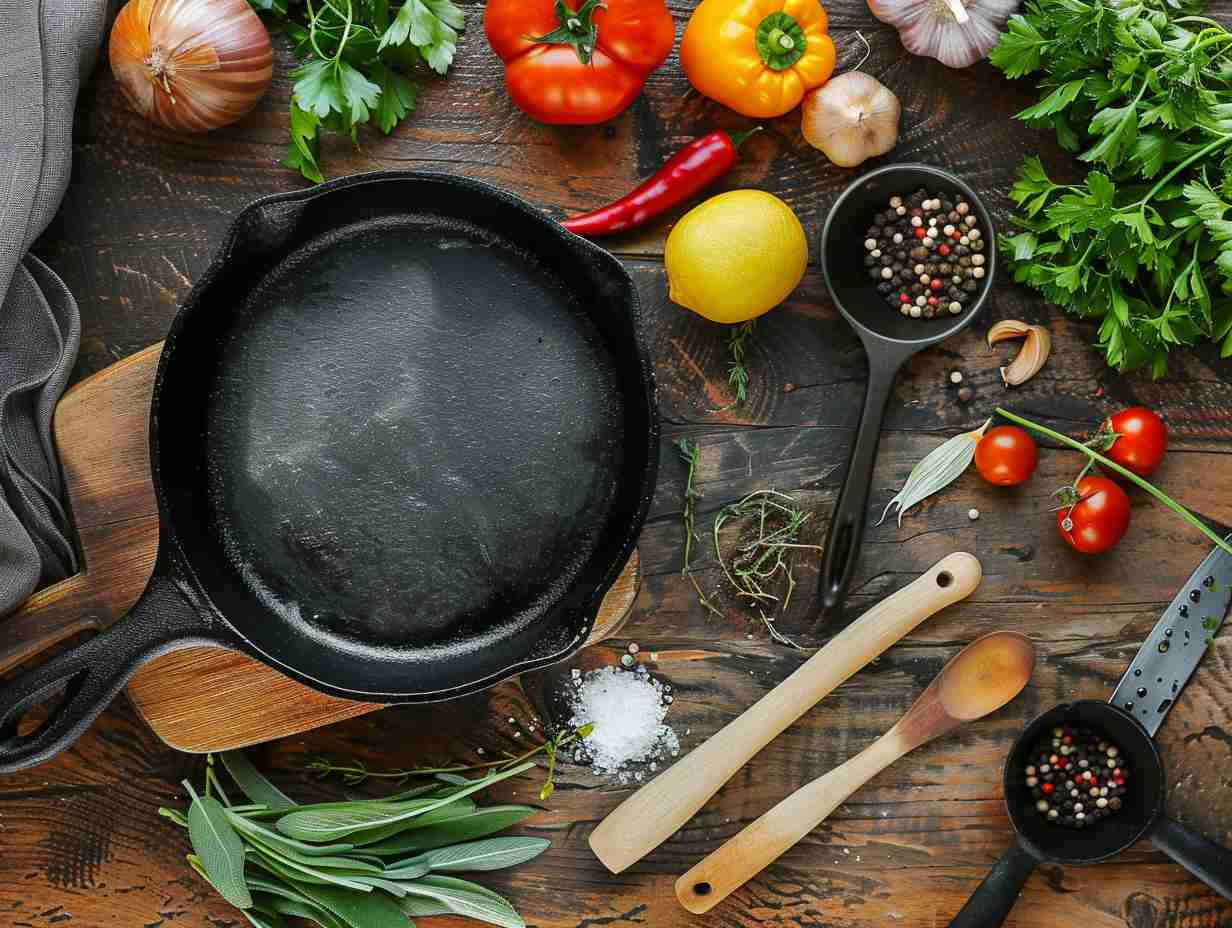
pixel 1142 442
pixel 1098 520
pixel 565 81
pixel 1006 456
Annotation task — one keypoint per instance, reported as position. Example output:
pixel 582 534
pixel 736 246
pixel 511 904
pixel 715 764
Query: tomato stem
pixel 1123 471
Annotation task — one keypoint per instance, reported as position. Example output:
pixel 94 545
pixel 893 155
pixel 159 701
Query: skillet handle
pixel 851 511
pixel 1208 861
pixel 90 675
pixel 990 904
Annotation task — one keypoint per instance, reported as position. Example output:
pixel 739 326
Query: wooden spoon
pixel 656 811
pixel 982 678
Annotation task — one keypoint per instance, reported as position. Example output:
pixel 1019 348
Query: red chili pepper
pixel 686 174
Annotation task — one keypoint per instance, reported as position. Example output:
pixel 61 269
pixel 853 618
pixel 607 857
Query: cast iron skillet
pixel 1142 817
pixel 889 337
pixel 403 439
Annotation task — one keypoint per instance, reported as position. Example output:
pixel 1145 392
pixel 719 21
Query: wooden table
pixel 80 840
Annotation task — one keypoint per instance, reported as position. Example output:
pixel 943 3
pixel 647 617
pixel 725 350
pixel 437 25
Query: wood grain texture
pixel 81 839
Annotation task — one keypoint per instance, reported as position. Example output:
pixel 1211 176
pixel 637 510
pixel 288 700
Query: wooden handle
pixel 655 812
pixel 761 843
pixel 45 619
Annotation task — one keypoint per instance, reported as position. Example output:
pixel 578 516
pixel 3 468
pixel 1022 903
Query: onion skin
pixel 191 65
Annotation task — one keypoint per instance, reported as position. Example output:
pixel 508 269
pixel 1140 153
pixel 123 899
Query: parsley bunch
pixel 1142 91
pixel 362 62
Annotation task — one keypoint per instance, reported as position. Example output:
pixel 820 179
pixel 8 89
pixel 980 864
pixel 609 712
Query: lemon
pixel 735 256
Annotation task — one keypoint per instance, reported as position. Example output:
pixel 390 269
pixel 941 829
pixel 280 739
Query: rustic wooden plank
pixel 82 842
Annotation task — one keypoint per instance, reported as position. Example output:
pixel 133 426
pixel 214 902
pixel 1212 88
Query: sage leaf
pixel 313 825
pixel 282 842
pixel 423 907
pixel 492 854
pixel 296 909
pixel 458 808
pixel 468 899
pixel 256 787
pixel 357 910
pixel 939 468
pixel 218 847
pixel 477 824
pixel 290 870
pixel 262 920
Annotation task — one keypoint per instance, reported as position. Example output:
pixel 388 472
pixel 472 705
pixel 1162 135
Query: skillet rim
pixel 176 562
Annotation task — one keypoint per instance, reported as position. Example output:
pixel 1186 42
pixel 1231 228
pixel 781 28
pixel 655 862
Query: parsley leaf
pixel 362 61
pixel 1143 90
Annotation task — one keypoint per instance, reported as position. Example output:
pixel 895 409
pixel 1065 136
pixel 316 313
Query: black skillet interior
pixel 1143 803
pixel 406 442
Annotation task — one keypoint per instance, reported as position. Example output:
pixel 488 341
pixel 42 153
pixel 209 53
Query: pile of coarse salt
pixel 627 709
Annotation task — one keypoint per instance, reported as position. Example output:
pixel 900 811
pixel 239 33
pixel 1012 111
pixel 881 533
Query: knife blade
pixel 1175 646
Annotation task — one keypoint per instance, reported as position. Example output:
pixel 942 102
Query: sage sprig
pixel 364 863
pixel 938 469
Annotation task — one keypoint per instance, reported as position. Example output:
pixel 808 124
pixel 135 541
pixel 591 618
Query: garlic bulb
pixel 958 33
pixel 852 118
pixel 191 65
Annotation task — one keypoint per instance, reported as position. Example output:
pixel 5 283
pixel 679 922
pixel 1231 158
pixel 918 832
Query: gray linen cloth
pixel 47 47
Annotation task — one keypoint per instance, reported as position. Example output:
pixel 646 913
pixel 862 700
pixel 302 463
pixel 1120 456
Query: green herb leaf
pixel 356 910
pixel 314 825
pixel 492 854
pixel 467 899
pixel 255 786
pixel 477 824
pixel 432 26
pixel 1056 101
pixel 218 847
pixel 397 98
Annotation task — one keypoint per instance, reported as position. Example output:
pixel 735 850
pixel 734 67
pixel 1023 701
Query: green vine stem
pixel 1123 471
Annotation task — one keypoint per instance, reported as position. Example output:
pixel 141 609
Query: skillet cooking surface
pixel 413 435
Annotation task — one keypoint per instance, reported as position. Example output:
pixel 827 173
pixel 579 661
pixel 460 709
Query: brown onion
pixel 191 65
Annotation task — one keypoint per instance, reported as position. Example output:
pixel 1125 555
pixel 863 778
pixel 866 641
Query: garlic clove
pixel 852 118
pixel 1006 328
pixel 1036 347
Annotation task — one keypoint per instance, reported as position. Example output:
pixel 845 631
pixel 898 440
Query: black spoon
pixel 1148 690
pixel 889 337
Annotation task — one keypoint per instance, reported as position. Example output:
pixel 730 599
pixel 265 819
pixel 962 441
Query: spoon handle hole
pixel 944 579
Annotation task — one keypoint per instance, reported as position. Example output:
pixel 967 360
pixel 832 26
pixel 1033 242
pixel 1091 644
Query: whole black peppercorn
pixel 874 273
pixel 886 260
pixel 971 285
pixel 962 250
pixel 978 245
pixel 869 260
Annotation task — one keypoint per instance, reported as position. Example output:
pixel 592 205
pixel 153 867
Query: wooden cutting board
pixel 198 699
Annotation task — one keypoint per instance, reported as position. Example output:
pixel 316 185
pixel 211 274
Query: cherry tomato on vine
pixel 1141 442
pixel 1006 456
pixel 1099 517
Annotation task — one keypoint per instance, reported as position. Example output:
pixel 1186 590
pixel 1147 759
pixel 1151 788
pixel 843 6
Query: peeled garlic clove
pixel 852 118
pixel 1035 349
pixel 1007 328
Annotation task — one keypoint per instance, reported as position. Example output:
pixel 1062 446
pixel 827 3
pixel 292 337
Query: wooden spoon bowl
pixel 980 679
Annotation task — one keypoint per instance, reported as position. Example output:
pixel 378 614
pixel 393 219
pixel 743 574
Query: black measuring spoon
pixel 1142 699
pixel 889 337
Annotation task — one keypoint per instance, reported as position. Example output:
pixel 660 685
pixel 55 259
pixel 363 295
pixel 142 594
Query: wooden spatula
pixel 654 813
pixel 982 678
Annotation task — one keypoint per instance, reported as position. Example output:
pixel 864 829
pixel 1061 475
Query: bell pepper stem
pixel 1123 471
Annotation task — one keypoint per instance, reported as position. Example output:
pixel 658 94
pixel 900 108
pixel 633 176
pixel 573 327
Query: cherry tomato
pixel 1142 442
pixel 1006 456
pixel 1098 520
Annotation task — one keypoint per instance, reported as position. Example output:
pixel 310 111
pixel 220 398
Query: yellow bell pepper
pixel 758 57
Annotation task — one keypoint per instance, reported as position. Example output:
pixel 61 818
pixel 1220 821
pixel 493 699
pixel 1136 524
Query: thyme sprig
pixel 737 348
pixel 765 559
pixel 355 772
